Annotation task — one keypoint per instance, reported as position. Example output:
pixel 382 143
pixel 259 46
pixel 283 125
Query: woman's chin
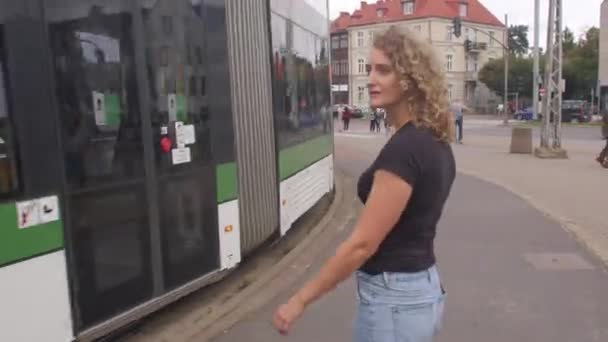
pixel 375 104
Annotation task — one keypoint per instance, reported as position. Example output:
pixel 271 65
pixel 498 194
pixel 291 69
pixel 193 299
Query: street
pixel 511 272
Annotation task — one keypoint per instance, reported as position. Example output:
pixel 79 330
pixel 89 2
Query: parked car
pixel 575 111
pixel 524 114
pixel 357 112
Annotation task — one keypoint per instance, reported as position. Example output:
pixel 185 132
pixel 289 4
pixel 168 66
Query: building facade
pixel 462 57
pixel 339 67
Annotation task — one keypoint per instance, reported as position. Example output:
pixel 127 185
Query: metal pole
pixel 536 59
pixel 506 57
pixel 557 135
pixel 547 132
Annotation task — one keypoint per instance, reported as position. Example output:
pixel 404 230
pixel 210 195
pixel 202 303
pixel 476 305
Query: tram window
pixel 97 97
pixel 8 174
pixel 177 81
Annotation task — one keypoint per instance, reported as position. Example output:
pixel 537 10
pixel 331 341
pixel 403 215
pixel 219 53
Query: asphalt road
pixel 511 273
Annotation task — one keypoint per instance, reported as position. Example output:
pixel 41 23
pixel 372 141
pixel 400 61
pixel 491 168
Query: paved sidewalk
pixel 571 191
pixel 511 274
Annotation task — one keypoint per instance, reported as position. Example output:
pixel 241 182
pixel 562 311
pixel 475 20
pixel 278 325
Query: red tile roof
pixel 368 13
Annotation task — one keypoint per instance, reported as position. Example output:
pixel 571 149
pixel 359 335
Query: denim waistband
pixel 400 288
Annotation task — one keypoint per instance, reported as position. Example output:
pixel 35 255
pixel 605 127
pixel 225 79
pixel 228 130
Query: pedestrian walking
pixel 457 108
pixel 400 296
pixel 373 120
pixel 341 115
pixel 346 117
pixel 603 157
pixel 379 119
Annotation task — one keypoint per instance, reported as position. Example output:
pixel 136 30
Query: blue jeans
pixel 399 307
pixel 459 122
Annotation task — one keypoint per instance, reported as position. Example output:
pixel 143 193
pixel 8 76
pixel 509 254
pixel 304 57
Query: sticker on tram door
pixel 28 214
pixel 48 208
pixel 181 155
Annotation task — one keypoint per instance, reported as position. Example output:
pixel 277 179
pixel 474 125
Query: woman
pixel 404 191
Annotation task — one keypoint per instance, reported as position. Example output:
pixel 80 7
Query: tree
pixel 568 44
pixel 520 75
pixel 581 65
pixel 518 39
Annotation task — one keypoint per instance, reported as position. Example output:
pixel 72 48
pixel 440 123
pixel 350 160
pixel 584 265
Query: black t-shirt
pixel 428 166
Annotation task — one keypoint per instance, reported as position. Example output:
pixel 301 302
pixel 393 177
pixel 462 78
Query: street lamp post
pixel 457 22
pixel 506 57
pixel 536 59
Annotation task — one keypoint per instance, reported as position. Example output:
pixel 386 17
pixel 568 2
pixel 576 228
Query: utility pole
pixel 550 143
pixel 536 59
pixel 506 58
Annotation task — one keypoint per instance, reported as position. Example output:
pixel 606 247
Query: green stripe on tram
pixel 21 244
pixel 299 157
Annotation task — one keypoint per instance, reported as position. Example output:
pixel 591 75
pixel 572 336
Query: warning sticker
pixel 181 155
pixel 28 214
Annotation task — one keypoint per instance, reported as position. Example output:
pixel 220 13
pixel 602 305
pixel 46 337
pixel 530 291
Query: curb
pixel 233 310
pixel 222 313
pixel 571 227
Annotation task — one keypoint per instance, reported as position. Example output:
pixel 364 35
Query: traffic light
pixel 457 23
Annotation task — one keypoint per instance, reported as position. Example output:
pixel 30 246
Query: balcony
pixel 474 47
pixel 471 76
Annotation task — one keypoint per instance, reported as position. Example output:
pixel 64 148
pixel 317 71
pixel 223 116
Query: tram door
pixel 185 172
pixel 101 131
pixel 111 185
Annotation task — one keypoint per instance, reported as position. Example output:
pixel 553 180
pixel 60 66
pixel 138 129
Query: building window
pixel 203 86
pixel 472 63
pixel 344 68
pixel 335 67
pixel 418 28
pixel 408 7
pixel 371 38
pixel 463 9
pixel 491 38
pixel 167 24
pixel 344 41
pixel 449 33
pixel 360 39
pixel 449 59
pixel 380 13
pixel 467 34
pixel 361 64
pixel 335 42
pixel 361 94
pixel 193 87
pixel 450 92
pixel 199 55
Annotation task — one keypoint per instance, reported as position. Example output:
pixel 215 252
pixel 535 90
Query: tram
pixel 148 146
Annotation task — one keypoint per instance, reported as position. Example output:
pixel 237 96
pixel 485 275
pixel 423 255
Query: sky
pixel 578 14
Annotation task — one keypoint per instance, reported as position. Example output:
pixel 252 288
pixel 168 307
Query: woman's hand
pixel 287 314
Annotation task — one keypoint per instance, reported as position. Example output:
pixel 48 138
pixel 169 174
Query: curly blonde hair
pixel 422 79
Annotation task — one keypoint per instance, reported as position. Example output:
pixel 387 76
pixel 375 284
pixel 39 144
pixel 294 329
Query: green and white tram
pixel 146 147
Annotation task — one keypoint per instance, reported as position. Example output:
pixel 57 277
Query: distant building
pixel 432 20
pixel 339 67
